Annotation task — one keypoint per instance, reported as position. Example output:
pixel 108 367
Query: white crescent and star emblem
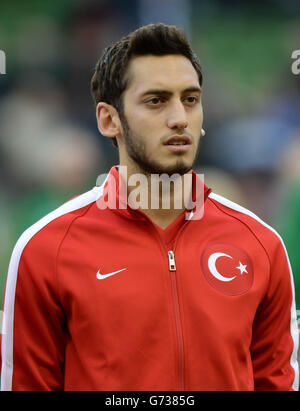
pixel 212 267
pixel 227 268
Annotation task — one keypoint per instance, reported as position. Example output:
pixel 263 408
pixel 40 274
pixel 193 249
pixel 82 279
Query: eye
pixel 154 101
pixel 191 100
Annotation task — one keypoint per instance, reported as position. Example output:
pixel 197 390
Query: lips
pixel 178 140
pixel 178 144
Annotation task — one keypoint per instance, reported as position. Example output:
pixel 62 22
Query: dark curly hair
pixel 109 80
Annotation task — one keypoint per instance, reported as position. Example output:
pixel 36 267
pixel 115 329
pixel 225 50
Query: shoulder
pixel 46 234
pixel 265 233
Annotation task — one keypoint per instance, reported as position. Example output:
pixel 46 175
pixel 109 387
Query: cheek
pixel 139 122
pixel 196 124
pixel 147 129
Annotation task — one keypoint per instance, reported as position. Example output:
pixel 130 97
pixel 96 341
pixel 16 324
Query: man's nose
pixel 177 117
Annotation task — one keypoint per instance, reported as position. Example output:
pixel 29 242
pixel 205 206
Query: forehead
pixel 170 72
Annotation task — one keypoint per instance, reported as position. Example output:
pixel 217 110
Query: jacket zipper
pixel 172 269
pixel 178 326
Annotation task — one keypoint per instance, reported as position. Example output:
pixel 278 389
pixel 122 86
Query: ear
pixel 108 120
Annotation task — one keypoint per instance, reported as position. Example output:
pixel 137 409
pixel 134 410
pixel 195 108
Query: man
pixel 136 296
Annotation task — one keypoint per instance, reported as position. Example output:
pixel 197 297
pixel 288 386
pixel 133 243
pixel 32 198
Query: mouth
pixel 178 141
pixel 178 144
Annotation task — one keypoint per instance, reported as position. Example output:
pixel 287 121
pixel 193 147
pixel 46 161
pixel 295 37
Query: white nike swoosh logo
pixel 102 276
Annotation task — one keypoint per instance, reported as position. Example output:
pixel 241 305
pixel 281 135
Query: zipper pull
pixel 172 265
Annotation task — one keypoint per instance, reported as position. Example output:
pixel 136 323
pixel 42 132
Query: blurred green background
pixel 51 150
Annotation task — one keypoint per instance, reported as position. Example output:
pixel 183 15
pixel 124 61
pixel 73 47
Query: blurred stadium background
pixel 50 148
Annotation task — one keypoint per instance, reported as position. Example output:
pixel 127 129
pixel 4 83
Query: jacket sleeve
pixel 33 340
pixel 275 331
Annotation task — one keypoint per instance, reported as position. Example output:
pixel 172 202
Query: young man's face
pixel 163 115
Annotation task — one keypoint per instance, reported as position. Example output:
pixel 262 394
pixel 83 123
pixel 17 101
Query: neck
pixel 161 198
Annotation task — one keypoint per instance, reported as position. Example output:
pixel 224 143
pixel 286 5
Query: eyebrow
pixel 169 93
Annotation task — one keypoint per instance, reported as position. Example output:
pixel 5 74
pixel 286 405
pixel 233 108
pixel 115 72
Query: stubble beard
pixel 136 150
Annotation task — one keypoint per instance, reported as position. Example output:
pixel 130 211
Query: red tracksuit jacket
pixel 102 300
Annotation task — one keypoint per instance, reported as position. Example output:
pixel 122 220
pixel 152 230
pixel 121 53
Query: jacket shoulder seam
pixel 215 198
pixel 61 243
pixel 230 205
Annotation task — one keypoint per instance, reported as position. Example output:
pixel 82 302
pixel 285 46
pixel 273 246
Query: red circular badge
pixel 227 268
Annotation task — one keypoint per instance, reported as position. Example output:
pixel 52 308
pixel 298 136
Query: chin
pixel 177 170
pixel 180 167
